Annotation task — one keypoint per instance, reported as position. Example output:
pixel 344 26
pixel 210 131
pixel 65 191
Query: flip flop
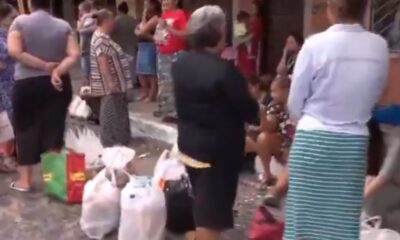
pixel 19 189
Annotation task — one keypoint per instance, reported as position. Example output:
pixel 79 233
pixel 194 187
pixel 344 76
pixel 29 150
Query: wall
pixel 316 21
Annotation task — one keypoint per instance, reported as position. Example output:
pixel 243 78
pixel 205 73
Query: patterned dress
pixel 285 125
pixel 114 115
pixel 6 74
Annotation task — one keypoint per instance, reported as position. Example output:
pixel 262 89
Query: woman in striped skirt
pixel 338 78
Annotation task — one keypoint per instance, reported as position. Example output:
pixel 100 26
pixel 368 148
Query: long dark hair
pixel 156 8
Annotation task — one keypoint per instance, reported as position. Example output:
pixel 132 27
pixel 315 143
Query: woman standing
pixel 45 49
pixel 213 104
pixel 294 42
pixel 248 49
pixel 7 15
pixel 345 64
pixel 146 65
pixel 170 38
pixel 109 75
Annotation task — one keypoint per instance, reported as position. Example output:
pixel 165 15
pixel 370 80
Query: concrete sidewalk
pixel 144 124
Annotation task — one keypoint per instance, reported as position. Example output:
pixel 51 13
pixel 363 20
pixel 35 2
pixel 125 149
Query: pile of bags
pixel 65 170
pixel 144 207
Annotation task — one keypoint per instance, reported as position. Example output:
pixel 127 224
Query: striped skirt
pixel 326 182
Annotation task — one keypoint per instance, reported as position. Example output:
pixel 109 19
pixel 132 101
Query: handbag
pixel 264 226
pixel 179 201
pixel 64 175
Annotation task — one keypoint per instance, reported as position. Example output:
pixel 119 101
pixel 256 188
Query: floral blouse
pixel 286 127
pixel 6 73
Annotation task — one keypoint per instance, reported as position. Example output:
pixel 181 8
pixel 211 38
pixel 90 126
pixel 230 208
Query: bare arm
pixel 373 185
pixel 72 56
pixel 145 28
pixel 282 69
pixel 16 50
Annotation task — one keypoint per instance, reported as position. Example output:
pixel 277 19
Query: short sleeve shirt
pixel 117 60
pixel 167 42
pixel 43 36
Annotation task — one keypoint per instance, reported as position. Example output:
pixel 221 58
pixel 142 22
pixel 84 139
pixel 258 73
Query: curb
pixel 142 127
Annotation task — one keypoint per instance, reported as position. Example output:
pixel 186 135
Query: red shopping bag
pixel 64 175
pixel 76 176
pixel 265 226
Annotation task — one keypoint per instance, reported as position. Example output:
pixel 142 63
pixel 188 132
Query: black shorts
pixel 39 116
pixel 214 192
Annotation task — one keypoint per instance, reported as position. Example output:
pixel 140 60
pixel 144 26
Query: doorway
pixel 281 17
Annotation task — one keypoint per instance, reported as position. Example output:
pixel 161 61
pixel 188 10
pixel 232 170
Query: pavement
pixel 35 216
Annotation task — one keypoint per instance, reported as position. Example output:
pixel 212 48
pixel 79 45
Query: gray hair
pixel 204 27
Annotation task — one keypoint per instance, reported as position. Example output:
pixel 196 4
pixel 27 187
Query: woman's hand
pixel 50 66
pixel 56 80
pixel 162 23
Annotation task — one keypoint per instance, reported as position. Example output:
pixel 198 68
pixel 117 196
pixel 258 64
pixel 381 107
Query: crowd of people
pixel 301 116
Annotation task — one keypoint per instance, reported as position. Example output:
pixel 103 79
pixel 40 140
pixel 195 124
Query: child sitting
pixel 277 131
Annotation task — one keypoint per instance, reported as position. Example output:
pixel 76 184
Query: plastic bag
pixel 371 230
pixel 179 201
pixel 100 207
pixel 168 167
pixel 79 108
pixel 119 164
pixel 264 226
pixel 6 129
pixel 143 211
pixel 86 141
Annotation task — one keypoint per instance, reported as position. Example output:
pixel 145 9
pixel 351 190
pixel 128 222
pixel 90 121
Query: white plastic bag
pixel 143 211
pixel 100 207
pixel 168 168
pixel 371 230
pixel 6 129
pixel 79 108
pixel 83 110
pixel 86 141
pixel 117 161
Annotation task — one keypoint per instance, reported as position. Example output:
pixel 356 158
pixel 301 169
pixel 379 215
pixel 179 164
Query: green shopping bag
pixel 64 175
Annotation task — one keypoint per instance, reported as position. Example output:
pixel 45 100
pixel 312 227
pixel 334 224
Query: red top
pixel 177 20
pixel 248 53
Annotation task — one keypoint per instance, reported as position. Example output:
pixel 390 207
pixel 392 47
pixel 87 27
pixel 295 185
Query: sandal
pixel 14 187
pixel 271 200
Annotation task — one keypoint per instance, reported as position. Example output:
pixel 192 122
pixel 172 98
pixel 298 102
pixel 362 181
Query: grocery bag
pixel 100 207
pixel 179 201
pixel 371 230
pixel 168 167
pixel 119 164
pixel 170 176
pixel 87 142
pixel 64 175
pixel 79 108
pixel 6 129
pixel 143 212
pixel 264 226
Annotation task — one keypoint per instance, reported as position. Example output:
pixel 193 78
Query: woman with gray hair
pixel 213 105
